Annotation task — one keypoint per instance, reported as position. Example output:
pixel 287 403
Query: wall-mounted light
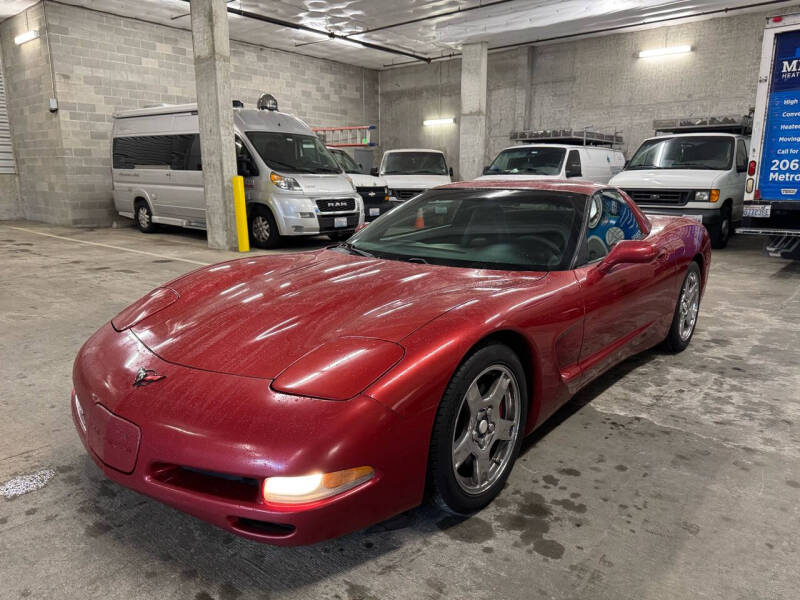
pixel 443 121
pixel 26 37
pixel 664 51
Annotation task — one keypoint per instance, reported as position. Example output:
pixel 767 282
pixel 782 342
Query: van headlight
pixel 706 196
pixel 285 183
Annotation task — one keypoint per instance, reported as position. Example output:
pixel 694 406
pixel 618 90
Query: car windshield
pixel 539 160
pixel 346 162
pixel 293 153
pixel 689 152
pixel 414 163
pixel 515 230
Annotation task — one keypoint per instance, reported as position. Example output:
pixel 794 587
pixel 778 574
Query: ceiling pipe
pixel 334 36
pixel 613 29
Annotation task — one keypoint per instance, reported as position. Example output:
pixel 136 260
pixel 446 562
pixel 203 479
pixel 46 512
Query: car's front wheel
pixel 721 232
pixel 685 318
pixel 263 228
pixel 478 430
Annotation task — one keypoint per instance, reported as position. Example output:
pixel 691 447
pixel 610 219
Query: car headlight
pixel 316 486
pixel 285 183
pixel 706 196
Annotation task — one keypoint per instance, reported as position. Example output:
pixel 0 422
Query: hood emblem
pixel 146 377
pixel 371 194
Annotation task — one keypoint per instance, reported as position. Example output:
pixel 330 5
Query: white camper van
pixel 372 189
pixel 293 186
pixel 559 161
pixel 410 171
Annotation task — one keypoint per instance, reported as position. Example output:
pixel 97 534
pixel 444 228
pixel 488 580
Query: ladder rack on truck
pixel 578 137
pixel 772 187
pixel 720 124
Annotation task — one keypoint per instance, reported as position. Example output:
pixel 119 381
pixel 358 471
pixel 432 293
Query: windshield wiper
pixel 417 259
pixel 291 168
pixel 353 250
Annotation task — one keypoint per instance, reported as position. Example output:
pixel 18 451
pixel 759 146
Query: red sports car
pixel 293 398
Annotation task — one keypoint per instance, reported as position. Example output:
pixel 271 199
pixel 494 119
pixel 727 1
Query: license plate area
pixel 340 222
pixel 113 439
pixel 759 211
pixel 698 218
pixel 374 212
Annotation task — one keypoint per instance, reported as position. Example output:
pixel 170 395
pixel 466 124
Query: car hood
pixel 323 183
pixel 415 182
pixel 666 178
pixel 361 180
pixel 256 316
pixel 517 177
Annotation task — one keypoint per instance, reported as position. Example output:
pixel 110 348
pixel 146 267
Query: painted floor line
pixel 69 239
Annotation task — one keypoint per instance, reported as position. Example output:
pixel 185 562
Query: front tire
pixel 263 229
pixel 143 217
pixel 721 232
pixel 478 430
pixel 685 318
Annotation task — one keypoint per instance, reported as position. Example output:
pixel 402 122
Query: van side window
pixel 573 168
pixel 610 220
pixel 180 151
pixel 146 151
pixel 245 165
pixel 194 160
pixel 741 157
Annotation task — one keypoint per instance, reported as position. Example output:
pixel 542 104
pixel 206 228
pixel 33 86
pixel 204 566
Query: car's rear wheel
pixel 685 317
pixel 143 217
pixel 478 430
pixel 263 229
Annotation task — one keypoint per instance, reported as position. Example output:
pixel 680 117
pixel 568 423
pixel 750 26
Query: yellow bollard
pixel 240 209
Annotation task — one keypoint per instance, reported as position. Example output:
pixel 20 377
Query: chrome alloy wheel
pixel 143 215
pixel 486 430
pixel 689 305
pixel 261 228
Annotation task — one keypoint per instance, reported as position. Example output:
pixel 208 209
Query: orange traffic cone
pixel 420 222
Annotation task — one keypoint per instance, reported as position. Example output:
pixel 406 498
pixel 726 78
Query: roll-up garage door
pixel 7 164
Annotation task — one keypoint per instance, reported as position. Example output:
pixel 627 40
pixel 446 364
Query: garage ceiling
pixel 431 28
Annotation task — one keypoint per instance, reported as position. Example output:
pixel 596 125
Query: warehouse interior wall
pixel 597 82
pixel 104 64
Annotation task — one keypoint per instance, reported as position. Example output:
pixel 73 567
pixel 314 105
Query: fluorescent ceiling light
pixel 444 121
pixel 664 51
pixel 26 37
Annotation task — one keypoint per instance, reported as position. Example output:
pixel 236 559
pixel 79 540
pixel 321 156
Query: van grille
pixel 336 204
pixel 372 195
pixel 672 197
pixel 406 194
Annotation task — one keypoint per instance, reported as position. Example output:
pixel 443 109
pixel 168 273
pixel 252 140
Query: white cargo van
pixel 698 175
pixel 372 189
pixel 410 171
pixel 293 186
pixel 560 161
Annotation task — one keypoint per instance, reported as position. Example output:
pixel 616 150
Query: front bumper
pixel 707 216
pixel 203 443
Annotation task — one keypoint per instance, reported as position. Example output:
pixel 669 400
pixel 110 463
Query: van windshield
pixel 538 160
pixel 689 152
pixel 414 163
pixel 293 153
pixel 347 163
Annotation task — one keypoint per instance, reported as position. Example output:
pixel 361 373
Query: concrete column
pixel 212 69
pixel 472 126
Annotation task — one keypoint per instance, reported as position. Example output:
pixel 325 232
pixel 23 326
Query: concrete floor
pixel 671 477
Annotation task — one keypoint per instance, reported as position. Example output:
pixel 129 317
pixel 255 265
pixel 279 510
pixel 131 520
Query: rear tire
pixel 143 216
pixel 477 435
pixel 721 232
pixel 263 229
pixel 687 310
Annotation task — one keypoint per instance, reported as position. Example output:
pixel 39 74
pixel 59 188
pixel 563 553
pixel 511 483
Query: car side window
pixel 741 157
pixel 573 168
pixel 194 160
pixel 245 165
pixel 610 220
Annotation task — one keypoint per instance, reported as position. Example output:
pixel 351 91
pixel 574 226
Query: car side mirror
pixel 625 252
pixel 487 169
pixel 374 171
pixel 246 168
pixel 450 170
pixel 573 171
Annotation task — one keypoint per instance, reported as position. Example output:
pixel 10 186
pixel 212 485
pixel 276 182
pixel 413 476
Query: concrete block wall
pixel 36 133
pixel 594 81
pixel 104 64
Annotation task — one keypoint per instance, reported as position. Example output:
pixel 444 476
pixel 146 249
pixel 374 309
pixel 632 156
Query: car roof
pixel 699 134
pixel 566 146
pixel 556 185
pixel 413 150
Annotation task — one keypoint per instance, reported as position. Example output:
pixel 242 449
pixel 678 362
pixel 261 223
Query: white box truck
pixel 772 189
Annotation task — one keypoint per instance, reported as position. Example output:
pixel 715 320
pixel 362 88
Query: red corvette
pixel 294 398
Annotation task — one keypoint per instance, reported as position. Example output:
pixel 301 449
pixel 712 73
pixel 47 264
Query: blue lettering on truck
pixel 780 156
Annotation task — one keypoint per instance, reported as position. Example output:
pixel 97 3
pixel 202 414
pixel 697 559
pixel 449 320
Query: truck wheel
pixel 686 311
pixel 263 229
pixel 143 217
pixel 721 233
